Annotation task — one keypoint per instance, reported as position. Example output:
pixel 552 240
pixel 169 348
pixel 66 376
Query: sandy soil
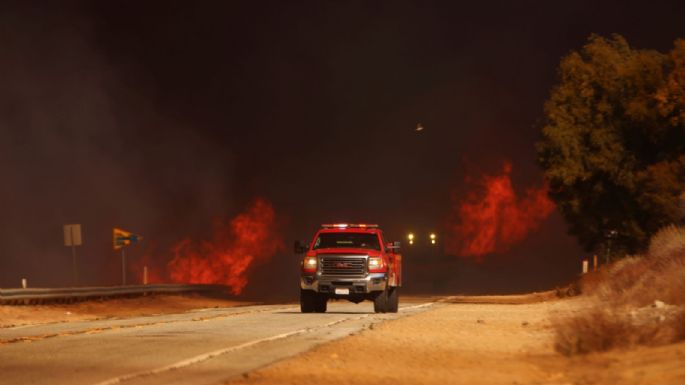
pixel 472 340
pixel 111 308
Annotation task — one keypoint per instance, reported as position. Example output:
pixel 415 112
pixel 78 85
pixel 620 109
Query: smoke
pixel 247 240
pixel 491 218
pixel 84 140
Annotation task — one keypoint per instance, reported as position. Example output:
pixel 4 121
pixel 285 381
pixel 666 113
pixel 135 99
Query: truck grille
pixel 343 266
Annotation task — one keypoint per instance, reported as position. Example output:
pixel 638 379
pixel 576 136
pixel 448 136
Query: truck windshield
pixel 347 240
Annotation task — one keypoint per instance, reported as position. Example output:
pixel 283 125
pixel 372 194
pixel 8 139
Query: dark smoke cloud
pixel 159 117
pixel 83 142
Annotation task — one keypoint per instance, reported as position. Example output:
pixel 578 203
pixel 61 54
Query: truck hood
pixel 339 250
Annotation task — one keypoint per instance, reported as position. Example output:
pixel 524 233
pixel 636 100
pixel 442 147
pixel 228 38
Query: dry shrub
pixel 603 328
pixel 622 276
pixel 625 313
pixel 679 326
pixel 668 245
pixel 671 329
pixel 591 282
pixel 595 330
pixel 667 285
pixel 570 290
pixel 614 281
pixel 639 281
pixel 667 254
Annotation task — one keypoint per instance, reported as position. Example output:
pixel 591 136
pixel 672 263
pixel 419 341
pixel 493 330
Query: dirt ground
pixel 473 340
pixel 110 308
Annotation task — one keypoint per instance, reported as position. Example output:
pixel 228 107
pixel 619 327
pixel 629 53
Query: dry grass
pixel 668 244
pixel 640 300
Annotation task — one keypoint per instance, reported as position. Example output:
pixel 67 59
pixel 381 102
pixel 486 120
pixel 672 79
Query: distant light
pixel 410 236
pixel 411 241
pixel 432 236
pixel 433 241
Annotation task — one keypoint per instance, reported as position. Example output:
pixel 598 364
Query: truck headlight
pixel 309 263
pixel 375 263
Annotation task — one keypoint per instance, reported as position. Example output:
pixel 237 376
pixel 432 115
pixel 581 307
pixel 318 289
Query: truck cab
pixel 352 262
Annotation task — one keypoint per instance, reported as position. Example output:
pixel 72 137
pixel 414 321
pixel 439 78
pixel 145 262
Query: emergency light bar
pixel 346 225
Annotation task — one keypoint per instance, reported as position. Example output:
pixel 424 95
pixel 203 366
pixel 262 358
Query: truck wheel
pixel 393 300
pixel 307 301
pixel 380 303
pixel 321 303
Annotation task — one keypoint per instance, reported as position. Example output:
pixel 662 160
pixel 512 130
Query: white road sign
pixel 72 235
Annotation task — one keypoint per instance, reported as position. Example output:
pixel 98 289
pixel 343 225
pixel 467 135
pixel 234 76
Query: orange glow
pixel 491 217
pixel 248 239
pixel 150 258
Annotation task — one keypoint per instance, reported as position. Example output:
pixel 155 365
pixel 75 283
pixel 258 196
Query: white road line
pixel 427 304
pixel 207 356
pixel 26 326
pixel 124 325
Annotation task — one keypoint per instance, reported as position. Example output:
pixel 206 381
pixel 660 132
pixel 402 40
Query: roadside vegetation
pixel 613 152
pixel 639 300
pixel 613 143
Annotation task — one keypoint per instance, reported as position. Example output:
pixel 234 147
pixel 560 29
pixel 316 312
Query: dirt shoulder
pixel 472 341
pixel 110 308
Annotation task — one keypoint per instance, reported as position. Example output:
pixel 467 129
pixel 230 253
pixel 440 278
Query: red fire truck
pixel 352 262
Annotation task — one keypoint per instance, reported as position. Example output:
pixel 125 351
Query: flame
pixel 249 238
pixel 491 217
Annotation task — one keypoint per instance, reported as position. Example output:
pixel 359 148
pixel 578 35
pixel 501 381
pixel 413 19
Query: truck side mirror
pixel 300 247
pixel 393 247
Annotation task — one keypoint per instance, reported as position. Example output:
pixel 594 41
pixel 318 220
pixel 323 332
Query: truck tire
pixel 393 300
pixel 321 303
pixel 380 303
pixel 307 301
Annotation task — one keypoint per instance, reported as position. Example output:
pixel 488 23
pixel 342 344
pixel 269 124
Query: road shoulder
pixel 473 343
pixel 13 316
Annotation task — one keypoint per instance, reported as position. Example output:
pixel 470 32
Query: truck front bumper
pixel 327 284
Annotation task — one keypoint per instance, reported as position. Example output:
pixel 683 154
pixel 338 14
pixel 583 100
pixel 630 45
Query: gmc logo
pixel 342 265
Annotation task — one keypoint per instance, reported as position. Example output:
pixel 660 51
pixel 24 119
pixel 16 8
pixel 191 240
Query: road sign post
pixel 121 239
pixel 72 237
pixel 123 267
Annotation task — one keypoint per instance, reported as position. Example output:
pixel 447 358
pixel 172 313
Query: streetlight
pixel 410 237
pixel 432 237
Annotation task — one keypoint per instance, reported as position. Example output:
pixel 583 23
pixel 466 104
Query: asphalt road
pixel 200 347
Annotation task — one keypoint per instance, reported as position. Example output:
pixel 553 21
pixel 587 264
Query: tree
pixel 613 142
pixel 671 96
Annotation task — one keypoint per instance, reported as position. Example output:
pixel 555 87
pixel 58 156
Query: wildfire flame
pixel 491 217
pixel 249 238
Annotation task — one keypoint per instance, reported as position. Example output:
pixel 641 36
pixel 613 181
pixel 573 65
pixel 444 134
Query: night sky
pixel 161 117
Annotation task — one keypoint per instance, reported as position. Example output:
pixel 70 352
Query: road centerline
pixel 197 359
pixel 206 356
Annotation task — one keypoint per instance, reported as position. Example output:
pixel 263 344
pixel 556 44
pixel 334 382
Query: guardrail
pixel 72 294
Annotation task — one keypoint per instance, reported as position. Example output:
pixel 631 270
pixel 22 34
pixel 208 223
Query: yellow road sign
pixel 121 238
